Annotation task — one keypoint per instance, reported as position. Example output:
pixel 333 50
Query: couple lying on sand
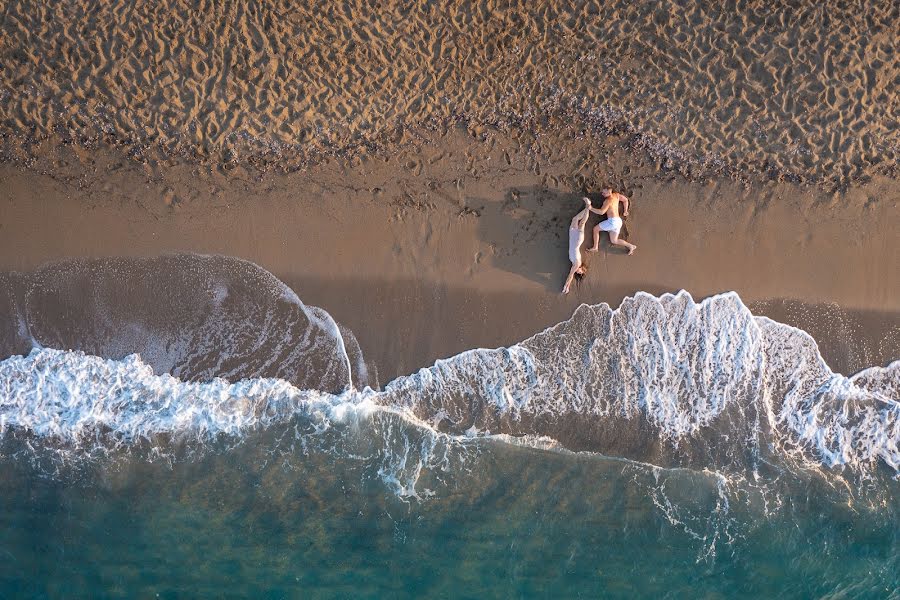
pixel 612 224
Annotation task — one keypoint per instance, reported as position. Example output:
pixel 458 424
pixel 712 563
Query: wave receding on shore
pixel 662 381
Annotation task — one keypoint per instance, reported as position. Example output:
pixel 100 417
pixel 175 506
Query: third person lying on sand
pixel 613 222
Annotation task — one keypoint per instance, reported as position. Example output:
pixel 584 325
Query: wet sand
pixel 413 170
pixel 439 249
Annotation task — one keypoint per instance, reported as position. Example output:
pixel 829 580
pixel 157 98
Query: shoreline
pixel 395 329
pixel 439 250
pixel 281 309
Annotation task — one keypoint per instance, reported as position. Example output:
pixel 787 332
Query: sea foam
pixel 666 381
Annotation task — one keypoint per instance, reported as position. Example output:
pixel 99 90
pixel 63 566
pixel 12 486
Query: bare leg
pixel 614 239
pixel 596 245
pixel 580 220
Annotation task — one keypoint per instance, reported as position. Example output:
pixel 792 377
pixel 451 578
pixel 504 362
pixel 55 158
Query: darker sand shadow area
pixel 528 233
pixel 403 325
pixel 398 324
pixel 848 340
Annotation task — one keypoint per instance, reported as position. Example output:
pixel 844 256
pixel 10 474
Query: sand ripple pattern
pixel 799 90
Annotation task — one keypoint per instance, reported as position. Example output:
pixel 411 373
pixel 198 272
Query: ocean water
pixel 668 448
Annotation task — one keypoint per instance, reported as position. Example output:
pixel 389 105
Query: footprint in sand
pixel 476 262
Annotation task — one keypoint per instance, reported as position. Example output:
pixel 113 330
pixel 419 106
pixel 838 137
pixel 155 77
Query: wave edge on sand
pixel 664 381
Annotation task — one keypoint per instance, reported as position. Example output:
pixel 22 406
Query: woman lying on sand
pixel 576 238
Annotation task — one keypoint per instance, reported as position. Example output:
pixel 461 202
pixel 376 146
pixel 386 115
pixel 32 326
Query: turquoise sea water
pixel 669 448
pixel 518 522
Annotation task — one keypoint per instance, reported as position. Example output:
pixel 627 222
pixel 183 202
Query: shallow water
pixel 666 448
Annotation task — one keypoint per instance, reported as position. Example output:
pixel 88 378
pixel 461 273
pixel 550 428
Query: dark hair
pixel 580 276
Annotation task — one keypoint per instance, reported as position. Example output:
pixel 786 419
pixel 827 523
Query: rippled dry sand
pixel 760 87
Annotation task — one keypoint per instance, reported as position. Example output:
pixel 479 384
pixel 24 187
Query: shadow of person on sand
pixel 528 233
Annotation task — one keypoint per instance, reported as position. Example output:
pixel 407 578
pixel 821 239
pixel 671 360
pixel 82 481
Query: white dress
pixel 576 238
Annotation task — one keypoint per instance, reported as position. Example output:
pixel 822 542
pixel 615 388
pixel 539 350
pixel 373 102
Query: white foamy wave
pixel 71 396
pixel 670 381
pixel 677 363
pixel 664 381
pixel 85 405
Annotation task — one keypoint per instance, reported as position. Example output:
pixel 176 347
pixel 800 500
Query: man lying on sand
pixel 613 223
pixel 576 238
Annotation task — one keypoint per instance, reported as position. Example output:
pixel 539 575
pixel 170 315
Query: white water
pixel 666 376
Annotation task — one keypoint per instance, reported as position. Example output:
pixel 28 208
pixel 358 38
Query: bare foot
pixel 633 248
pixel 594 249
pixel 587 201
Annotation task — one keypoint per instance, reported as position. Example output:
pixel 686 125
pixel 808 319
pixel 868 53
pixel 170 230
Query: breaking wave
pixel 664 381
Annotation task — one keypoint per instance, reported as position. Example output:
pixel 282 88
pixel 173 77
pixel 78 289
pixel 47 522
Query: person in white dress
pixel 576 238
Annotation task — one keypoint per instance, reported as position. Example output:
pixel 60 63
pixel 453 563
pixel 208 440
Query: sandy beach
pixel 804 93
pixel 448 245
pixel 281 310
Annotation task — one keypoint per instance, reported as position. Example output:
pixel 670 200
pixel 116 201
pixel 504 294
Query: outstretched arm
pixel 605 207
pixel 569 279
pixel 626 203
pixel 579 220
